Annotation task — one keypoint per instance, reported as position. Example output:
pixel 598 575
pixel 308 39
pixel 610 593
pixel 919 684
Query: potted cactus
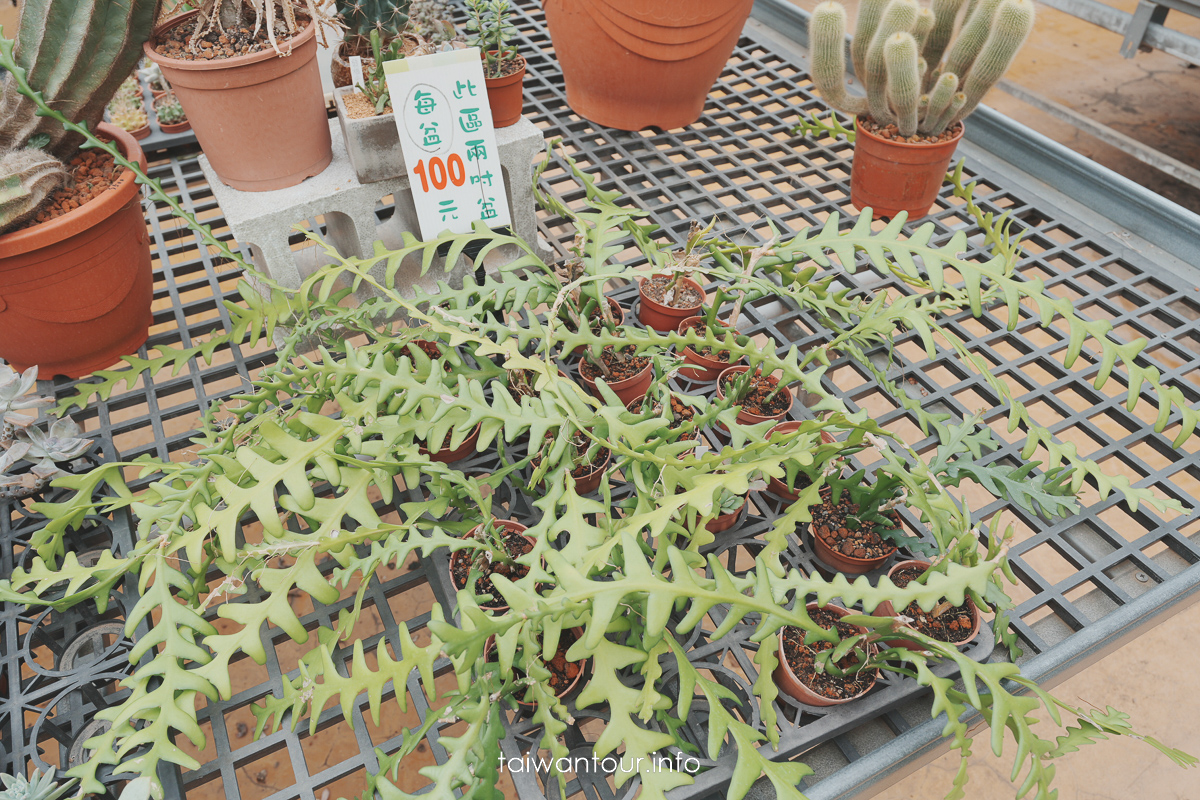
pixel 386 18
pixel 170 114
pixel 503 66
pixel 921 81
pixel 254 101
pixel 127 111
pixel 75 273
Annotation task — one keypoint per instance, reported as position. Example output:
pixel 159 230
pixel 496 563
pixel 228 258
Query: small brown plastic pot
pixel 141 133
pixel 490 646
pixel 844 563
pixel 591 481
pixel 744 417
pixel 626 390
pixel 886 609
pixel 776 486
pixel 508 525
pixel 664 318
pixel 725 521
pixel 889 176
pixel 177 127
pixel 790 684
pixel 618 314
pixel 706 369
pixel 457 454
pixel 506 97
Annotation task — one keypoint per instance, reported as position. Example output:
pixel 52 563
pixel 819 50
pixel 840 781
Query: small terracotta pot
pixel 626 390
pixel 457 454
pixel 339 65
pixel 157 93
pixel 260 118
pixel 725 521
pixel 633 65
pixel 508 525
pixel 664 318
pixel 706 369
pixel 886 609
pixel 490 645
pixel 75 292
pixel 591 481
pixel 618 316
pixel 889 177
pixel 844 563
pixel 745 417
pixel 776 486
pixel 788 682
pixel 506 97
pixel 178 127
pixel 140 133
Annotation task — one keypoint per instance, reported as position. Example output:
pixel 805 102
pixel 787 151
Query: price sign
pixel 449 144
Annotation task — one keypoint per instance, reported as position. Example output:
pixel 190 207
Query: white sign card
pixel 445 123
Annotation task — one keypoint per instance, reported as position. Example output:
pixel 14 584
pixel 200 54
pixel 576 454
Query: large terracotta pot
pixel 632 64
pixel 260 118
pixel 75 292
pixel 889 177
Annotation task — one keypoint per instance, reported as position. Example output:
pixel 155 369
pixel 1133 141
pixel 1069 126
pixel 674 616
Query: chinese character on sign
pixel 425 102
pixel 486 177
pixel 469 120
pixel 448 210
pixel 487 208
pixel 476 150
pixel 463 90
pixel 431 135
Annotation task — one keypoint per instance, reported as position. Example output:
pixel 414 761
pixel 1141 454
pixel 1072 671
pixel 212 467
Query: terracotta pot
pixel 745 417
pixel 178 127
pixel 776 486
pixel 627 390
pixel 618 316
pixel 75 292
pixel 886 609
pixel 788 682
pixel 725 521
pixel 706 369
pixel 632 64
pixel 889 177
pixel 140 133
pixel 508 525
pixel 260 118
pixel 506 96
pixel 844 563
pixel 457 454
pixel 490 645
pixel 664 318
pixel 339 66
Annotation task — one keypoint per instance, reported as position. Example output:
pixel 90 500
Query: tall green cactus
pixel 76 53
pixel 27 178
pixel 894 43
pixel 389 17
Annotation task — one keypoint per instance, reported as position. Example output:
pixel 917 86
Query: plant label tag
pixel 356 73
pixel 449 144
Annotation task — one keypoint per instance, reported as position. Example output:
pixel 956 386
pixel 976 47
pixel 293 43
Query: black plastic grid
pixel 740 163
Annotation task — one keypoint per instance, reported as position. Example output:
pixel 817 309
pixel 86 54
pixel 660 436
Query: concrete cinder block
pixel 373 143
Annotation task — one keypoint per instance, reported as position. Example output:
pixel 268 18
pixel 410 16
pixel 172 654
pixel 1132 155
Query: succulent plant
pixel 169 110
pixel 14 388
pixel 129 119
pixel 387 17
pixel 38 787
pixel 22 440
pixel 431 20
pixel 898 52
pixel 27 179
pixel 488 21
pixel 154 78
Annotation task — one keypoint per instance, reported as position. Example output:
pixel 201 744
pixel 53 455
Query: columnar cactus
pixel 27 178
pixel 896 40
pixel 360 17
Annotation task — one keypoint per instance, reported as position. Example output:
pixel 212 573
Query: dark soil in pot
pixel 892 133
pixel 92 172
pixel 801 657
pixel 515 543
pixel 755 400
pixel 697 324
pixel 656 289
pixel 564 674
pixel 620 369
pixel 849 548
pixel 955 625
pixel 217 44
pixel 587 475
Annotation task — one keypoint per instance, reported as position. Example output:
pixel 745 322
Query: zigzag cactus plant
pixel 389 17
pixel 898 51
pixel 77 52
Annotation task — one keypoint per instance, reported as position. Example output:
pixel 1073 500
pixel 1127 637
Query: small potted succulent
pixel 557 676
pixel 170 114
pixel 758 397
pixel 153 77
pixel 588 461
pixel 128 112
pixel 503 66
pixel 387 19
pixel 921 81
pixel 808 671
pixel 946 622
pixel 29 456
pixel 856 527
pixel 499 543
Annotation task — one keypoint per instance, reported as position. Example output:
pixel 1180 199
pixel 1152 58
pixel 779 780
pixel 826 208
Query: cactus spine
pixel 827 34
pixel 869 14
pixel 898 17
pixel 923 27
pixel 903 80
pixel 27 178
pixel 76 52
pixel 389 17
pixel 1010 28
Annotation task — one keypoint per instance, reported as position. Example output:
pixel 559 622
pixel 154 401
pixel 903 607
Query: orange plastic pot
pixel 776 486
pixel 75 291
pixel 842 562
pixel 633 64
pixel 790 684
pixel 506 97
pixel 260 118
pixel 889 177
pixel 626 390
pixel 725 521
pixel 489 647
pixel 886 609
pixel 457 454
pixel 508 525
pixel 706 369
pixel 664 318
pixel 745 417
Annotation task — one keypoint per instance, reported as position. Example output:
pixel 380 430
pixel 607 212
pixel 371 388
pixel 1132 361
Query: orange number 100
pixel 438 172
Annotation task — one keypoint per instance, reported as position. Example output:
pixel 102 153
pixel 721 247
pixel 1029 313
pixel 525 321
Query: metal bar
pixel 1157 36
pixel 1145 14
pixel 1127 144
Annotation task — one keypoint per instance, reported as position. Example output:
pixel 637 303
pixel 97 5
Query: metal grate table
pixel 1086 583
